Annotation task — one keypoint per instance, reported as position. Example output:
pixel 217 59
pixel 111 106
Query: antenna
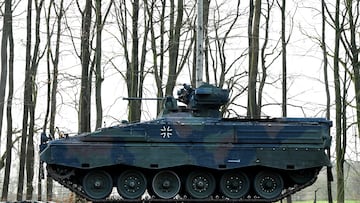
pixel 199 42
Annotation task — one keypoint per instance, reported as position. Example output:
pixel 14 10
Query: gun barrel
pixel 139 98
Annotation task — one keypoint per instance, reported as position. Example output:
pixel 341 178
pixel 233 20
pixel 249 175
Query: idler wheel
pixel 234 184
pixel 131 184
pixel 97 184
pixel 268 184
pixel 166 184
pixel 200 184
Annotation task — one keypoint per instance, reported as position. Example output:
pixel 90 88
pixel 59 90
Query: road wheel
pixel 268 184
pixel 131 184
pixel 97 184
pixel 234 184
pixel 200 184
pixel 166 184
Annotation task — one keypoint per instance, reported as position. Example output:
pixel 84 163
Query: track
pixel 78 190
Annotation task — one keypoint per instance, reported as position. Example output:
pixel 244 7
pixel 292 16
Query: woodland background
pixel 67 64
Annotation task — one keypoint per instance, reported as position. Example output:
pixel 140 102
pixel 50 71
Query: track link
pixel 77 189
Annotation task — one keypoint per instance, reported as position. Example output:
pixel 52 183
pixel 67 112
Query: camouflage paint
pixel 212 143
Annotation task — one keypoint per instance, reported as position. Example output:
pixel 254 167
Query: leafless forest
pixel 67 64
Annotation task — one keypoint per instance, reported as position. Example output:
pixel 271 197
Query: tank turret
pixel 204 101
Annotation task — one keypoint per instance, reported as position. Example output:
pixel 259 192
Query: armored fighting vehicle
pixel 191 153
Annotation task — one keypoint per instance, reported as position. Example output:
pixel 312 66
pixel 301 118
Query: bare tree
pixel 343 22
pixel 8 37
pixel 36 56
pixel 4 67
pixel 133 75
pixel 134 52
pixel 144 72
pixel 327 90
pixel 352 49
pixel 98 52
pixel 338 109
pixel 133 71
pixel 178 49
pixel 27 101
pixel 253 28
pixel 284 68
pixel 85 93
pixel 48 98
pixel 220 59
pixel 30 93
pixel 265 55
pixel 98 75
pixel 52 60
pixel 158 63
pixel 174 41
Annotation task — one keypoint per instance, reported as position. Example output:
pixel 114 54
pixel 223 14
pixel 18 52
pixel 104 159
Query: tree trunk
pixel 284 69
pixel 4 63
pixel 143 59
pixel 253 65
pixel 338 111
pixel 7 31
pixel 250 28
pixel 133 72
pixel 55 63
pixel 174 38
pixel 162 53
pixel 354 50
pixel 33 92
pixel 327 90
pixel 263 55
pixel 30 152
pixel 48 55
pixel 85 92
pixel 158 66
pixel 27 101
pixel 98 76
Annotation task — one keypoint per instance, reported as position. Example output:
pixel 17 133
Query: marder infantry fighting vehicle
pixel 193 154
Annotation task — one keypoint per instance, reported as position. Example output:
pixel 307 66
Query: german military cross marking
pixel 166 132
